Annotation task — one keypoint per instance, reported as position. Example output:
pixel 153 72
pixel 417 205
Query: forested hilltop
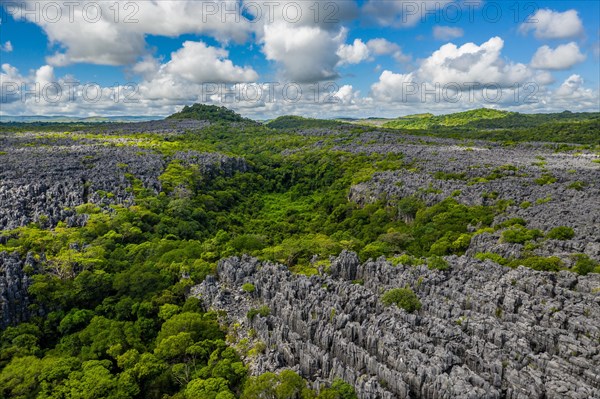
pixel 489 124
pixel 210 256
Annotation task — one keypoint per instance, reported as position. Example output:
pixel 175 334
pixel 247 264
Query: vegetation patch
pixel 561 233
pixel 404 298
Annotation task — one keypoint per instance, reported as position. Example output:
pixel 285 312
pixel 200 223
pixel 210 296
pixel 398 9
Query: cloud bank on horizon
pixel 325 58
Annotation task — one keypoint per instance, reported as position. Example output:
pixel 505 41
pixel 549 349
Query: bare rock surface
pixel 484 331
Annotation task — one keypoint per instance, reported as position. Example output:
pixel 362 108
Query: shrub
pixel 544 179
pixel 541 201
pixel 551 264
pixel 525 204
pixel 519 234
pixel 561 233
pixel 513 222
pixel 437 263
pixel 577 185
pixel 491 256
pixel 263 311
pixel 406 260
pixel 440 175
pixel 404 298
pixel 249 288
pixel 584 265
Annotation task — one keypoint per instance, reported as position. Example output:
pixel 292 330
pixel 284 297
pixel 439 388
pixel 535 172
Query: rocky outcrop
pixel 14 283
pixel 484 331
pixel 545 188
pixel 44 180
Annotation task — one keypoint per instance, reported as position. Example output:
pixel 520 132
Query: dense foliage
pixel 488 124
pixel 211 113
pixel 299 122
pixel 424 121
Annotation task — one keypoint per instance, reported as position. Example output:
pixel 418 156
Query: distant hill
pixel 487 124
pixel 424 121
pixel 299 122
pixel 72 119
pixel 211 113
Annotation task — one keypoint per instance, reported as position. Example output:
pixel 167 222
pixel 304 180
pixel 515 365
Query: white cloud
pixel 7 47
pixel 467 76
pixel 45 75
pixel 305 53
pixel 447 32
pixel 359 51
pixel 560 58
pixel 189 73
pixel 306 50
pixel 147 67
pixel 544 78
pixel 549 24
pixel 353 53
pixel 382 46
pixel 199 63
pixel 347 95
pixel 392 86
pixel 472 63
pixel 572 87
pixel 119 39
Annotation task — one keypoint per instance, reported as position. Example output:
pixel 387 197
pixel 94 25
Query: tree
pixel 195 324
pixel 211 388
pixel 19 379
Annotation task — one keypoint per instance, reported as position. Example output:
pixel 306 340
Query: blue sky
pixel 371 54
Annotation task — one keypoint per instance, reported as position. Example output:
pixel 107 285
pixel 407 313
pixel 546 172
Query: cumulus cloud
pixel 392 86
pixel 544 78
pixel 563 57
pixel 325 14
pixel 306 53
pixel 573 88
pixel 382 46
pixel 190 70
pixel 94 32
pixel 460 76
pixel 147 67
pixel 199 63
pixel 472 63
pixel 6 47
pixel 347 95
pixel 550 24
pixel 447 32
pixel 354 53
pixel 359 51
pixel 304 38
